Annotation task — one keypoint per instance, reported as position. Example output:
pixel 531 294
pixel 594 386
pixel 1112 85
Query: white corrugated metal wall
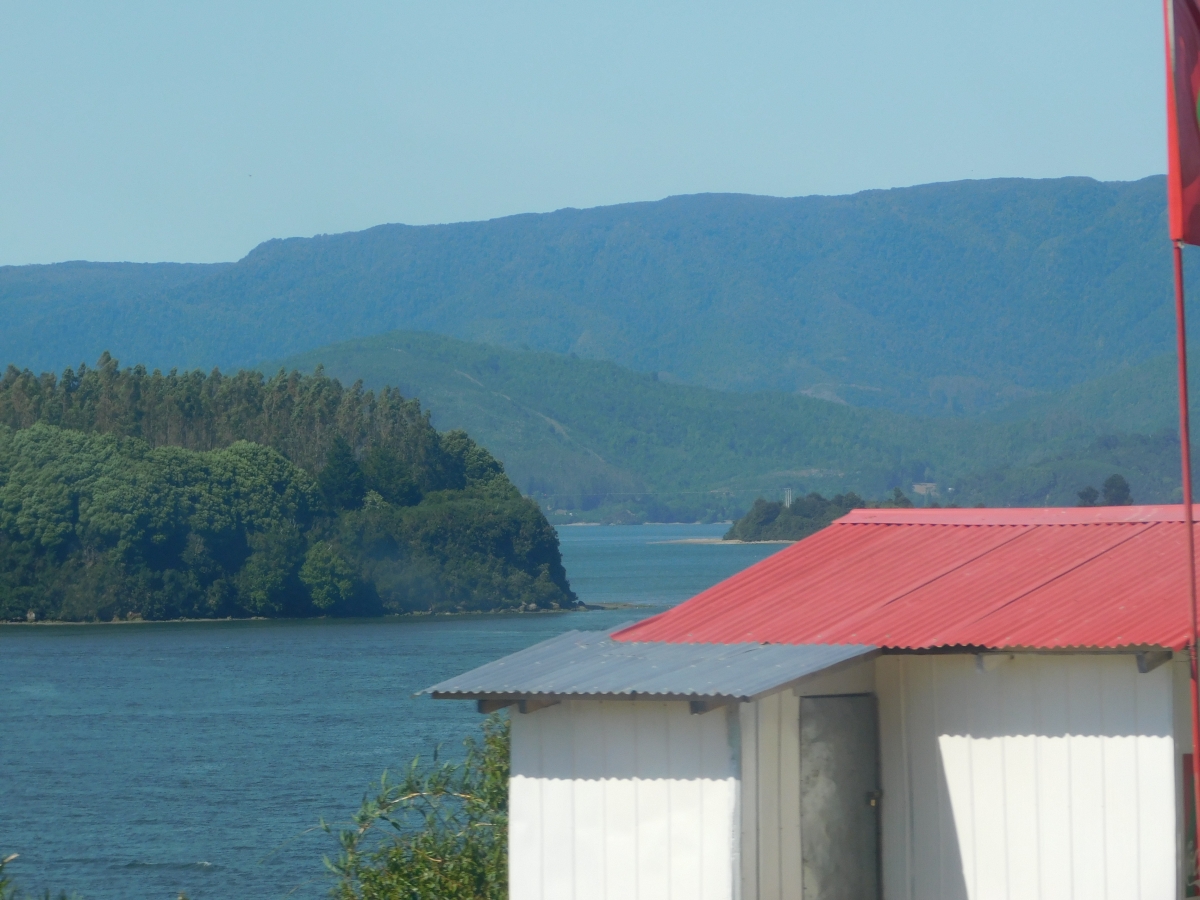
pixel 1043 776
pixel 770 858
pixel 1047 776
pixel 618 800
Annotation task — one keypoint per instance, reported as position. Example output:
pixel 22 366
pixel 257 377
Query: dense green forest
pixel 594 441
pixel 126 493
pixel 1140 398
pixel 935 299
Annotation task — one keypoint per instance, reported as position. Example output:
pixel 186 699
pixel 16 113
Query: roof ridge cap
pixel 1090 515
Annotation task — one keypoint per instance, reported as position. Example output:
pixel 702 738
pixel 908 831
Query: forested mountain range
pixel 944 298
pixel 1008 340
pixel 599 441
pixel 126 493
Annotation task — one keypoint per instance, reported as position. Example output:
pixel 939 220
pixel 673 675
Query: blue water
pixel 139 761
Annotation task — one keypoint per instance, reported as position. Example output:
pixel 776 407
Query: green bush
pixel 9 891
pixel 439 833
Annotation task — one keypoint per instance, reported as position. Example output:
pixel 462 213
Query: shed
pixel 910 704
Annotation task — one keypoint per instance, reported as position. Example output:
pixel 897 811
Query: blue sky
pixel 191 132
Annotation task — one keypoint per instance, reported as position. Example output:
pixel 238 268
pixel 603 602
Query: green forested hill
pixel 940 298
pixel 125 493
pixel 1139 398
pixel 583 435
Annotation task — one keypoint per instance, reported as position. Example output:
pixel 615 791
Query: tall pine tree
pixel 341 481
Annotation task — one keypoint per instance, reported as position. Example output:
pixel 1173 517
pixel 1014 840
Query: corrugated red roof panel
pixel 922 578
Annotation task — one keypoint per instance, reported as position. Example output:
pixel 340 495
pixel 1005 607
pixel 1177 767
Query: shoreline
pixel 588 607
pixel 634 524
pixel 717 541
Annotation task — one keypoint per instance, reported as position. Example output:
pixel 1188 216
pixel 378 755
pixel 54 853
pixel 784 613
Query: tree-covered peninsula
pixel 126 494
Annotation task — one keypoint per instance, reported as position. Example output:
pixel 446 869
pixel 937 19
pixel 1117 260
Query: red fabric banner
pixel 1183 125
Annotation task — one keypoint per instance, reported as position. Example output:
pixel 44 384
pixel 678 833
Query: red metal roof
pixel 921 578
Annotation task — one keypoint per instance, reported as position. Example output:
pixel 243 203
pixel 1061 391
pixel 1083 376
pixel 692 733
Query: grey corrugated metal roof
pixel 590 663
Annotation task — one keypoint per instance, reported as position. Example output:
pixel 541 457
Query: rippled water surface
pixel 138 761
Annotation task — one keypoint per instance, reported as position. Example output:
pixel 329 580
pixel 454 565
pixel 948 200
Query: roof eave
pixel 648 695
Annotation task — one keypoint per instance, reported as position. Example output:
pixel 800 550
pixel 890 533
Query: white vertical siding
pixel 748 730
pixel 779 797
pixel 771 861
pixel 611 800
pixel 791 866
pixel 1047 777
pixel 770 858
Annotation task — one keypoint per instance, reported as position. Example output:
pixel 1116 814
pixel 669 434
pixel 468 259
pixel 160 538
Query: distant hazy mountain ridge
pixel 941 298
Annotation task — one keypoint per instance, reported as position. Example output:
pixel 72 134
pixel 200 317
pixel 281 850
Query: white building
pixel 911 704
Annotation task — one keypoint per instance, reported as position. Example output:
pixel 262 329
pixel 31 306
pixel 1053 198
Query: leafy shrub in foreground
pixel 9 891
pixel 446 830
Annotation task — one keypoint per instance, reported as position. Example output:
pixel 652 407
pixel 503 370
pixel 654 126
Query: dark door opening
pixel 839 797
